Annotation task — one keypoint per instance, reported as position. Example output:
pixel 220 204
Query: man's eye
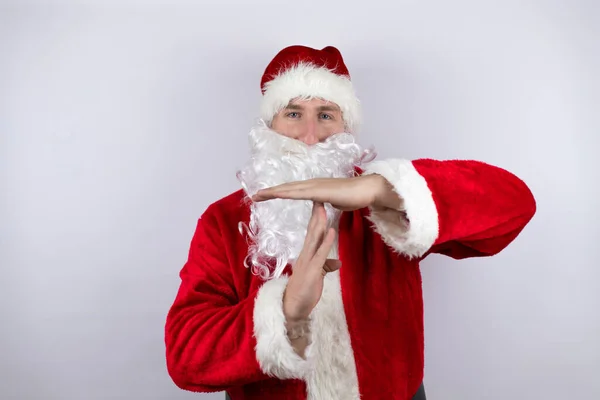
pixel 326 116
pixel 293 114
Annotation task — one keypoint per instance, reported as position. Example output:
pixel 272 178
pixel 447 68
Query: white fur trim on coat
pixel 274 351
pixel 333 373
pixel 329 369
pixel 307 80
pixel 414 234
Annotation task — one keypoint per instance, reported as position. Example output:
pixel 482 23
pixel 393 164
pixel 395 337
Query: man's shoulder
pixel 232 206
pixel 231 199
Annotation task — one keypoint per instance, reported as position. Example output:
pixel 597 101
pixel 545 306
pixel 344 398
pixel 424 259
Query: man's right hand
pixel 305 286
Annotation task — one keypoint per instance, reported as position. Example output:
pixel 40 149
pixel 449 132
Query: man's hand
pixel 346 194
pixel 305 286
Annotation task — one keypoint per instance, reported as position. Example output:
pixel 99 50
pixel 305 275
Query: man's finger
pixel 322 252
pixel 319 190
pixel 289 194
pixel 279 190
pixel 315 235
pixel 314 232
pixel 332 265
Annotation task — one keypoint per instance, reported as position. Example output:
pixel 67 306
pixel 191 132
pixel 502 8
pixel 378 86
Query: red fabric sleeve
pixel 481 208
pixel 209 332
pixel 456 208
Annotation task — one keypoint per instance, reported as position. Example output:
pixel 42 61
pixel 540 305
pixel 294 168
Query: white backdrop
pixel 120 124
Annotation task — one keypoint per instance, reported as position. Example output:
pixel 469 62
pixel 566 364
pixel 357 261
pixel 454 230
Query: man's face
pixel 310 121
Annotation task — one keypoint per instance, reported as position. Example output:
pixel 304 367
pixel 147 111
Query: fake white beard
pixel 278 227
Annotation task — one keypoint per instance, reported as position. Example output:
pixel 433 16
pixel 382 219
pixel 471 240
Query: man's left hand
pixel 346 194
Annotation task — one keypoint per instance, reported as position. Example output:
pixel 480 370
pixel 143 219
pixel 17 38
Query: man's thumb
pixel 332 265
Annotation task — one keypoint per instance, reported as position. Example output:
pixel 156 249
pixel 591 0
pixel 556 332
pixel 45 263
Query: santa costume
pixel 226 329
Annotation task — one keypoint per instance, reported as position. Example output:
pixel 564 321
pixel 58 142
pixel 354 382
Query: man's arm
pixel 215 340
pixel 455 207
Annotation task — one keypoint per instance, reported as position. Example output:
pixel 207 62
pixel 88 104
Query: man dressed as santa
pixel 305 283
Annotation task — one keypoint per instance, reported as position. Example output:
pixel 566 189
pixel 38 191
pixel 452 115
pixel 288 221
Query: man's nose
pixel 310 135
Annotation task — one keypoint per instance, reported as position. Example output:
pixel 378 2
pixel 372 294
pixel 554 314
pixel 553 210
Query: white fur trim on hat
pixel 308 80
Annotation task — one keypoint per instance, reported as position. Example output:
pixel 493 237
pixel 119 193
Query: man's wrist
pixel 297 329
pixel 298 333
pixel 385 195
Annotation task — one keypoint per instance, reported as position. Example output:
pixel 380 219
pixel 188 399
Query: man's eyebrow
pixel 294 107
pixel 298 107
pixel 329 108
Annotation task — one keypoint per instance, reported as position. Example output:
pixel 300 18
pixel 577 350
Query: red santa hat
pixel 304 72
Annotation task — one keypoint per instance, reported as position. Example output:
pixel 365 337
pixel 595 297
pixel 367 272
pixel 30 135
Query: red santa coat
pixel 225 330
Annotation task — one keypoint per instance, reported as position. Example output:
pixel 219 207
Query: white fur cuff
pixel 413 237
pixel 274 351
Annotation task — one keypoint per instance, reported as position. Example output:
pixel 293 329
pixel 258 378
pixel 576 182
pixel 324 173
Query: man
pixel 305 284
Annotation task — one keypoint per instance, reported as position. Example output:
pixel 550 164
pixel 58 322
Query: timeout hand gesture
pixel 305 286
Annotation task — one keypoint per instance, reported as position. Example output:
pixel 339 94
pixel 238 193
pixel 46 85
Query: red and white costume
pixel 225 330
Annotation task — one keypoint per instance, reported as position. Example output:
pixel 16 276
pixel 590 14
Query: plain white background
pixel 120 123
